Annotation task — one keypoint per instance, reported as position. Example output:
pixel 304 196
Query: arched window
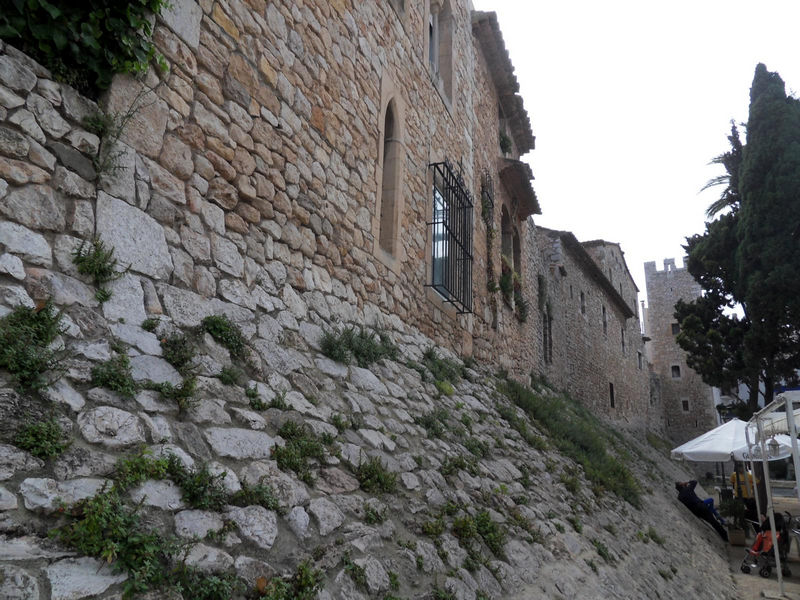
pixel 390 182
pixel 440 44
pixel 506 237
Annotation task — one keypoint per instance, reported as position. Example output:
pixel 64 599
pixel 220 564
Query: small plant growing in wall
pixel 26 337
pixel 97 260
pixel 505 142
pixel 44 439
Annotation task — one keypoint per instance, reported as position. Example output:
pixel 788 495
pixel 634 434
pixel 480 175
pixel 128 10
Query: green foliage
pixel 439 594
pixel 104 527
pixel 603 551
pixel 115 374
pixel 454 464
pixel 442 369
pixel 494 536
pixel 433 528
pixel 356 572
pixel 230 375
pixel 465 528
pixel 372 515
pixel 137 468
pixel 394 581
pixel 301 445
pixel 26 335
pixel 571 482
pixel 199 585
pixel 303 585
pixel 339 422
pixel 521 426
pixel 178 350
pixel 200 488
pixel 576 523
pixel 226 333
pixel 150 324
pixel 374 477
pixel 44 439
pixel 256 403
pixel 279 401
pixel 444 387
pixel 360 345
pixel 434 422
pixel 505 142
pixel 579 435
pixel 260 494
pixel 97 261
pixel 182 394
pixel 84 43
pixel 477 447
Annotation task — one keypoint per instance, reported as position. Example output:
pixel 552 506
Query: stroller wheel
pixel 745 569
pixel 765 571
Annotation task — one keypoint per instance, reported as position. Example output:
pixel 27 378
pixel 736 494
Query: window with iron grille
pixel 451 235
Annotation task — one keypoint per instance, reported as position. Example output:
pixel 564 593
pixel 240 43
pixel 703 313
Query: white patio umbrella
pixel 716 445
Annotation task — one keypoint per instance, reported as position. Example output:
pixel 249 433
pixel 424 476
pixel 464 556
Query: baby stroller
pixel 761 555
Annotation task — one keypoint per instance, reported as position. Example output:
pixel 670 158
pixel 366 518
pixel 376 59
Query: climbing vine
pixel 84 43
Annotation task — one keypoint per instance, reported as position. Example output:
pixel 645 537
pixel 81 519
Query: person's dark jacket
pixel 688 497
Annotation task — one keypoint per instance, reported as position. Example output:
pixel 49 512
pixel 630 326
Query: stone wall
pixel 589 358
pixel 688 402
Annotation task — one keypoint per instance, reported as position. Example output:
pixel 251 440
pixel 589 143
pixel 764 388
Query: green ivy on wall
pixel 83 43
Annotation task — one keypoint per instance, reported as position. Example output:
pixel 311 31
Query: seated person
pixel 699 508
pixel 740 481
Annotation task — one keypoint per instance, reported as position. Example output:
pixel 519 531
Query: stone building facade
pixel 591 343
pixel 689 408
pixel 345 150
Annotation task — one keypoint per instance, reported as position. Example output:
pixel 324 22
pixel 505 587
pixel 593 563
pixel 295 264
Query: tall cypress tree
pixel 768 256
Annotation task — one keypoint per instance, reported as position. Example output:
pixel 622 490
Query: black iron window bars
pixel 451 234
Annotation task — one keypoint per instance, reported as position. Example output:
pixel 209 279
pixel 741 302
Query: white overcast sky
pixel 630 99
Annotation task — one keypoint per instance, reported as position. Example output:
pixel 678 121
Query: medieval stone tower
pixel 688 402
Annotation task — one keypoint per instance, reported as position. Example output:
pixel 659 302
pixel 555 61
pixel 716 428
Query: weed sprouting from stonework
pixel 301 445
pixel 97 261
pixel 44 439
pixel 178 351
pixel 374 477
pixel 578 435
pixel 26 337
pixel 363 346
pixel 226 333
pixel 230 375
pixel 434 422
pixel 115 374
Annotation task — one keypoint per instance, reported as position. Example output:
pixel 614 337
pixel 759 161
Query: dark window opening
pixel 639 360
pixel 583 303
pixel 547 335
pixel 451 234
pixel 622 335
pixel 685 405
pixel 392 157
pixel 676 372
pixel 611 393
pixel 605 321
pixel 676 328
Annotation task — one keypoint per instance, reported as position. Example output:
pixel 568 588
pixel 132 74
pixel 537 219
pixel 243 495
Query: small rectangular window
pixel 639 360
pixel 451 235
pixel 676 329
pixel 611 393
pixel 622 335
pixel 583 303
pixel 605 321
pixel 685 405
pixel 676 372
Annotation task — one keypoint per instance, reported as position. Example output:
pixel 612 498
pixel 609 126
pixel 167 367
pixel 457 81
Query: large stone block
pixel 26 243
pixel 145 129
pixel 183 17
pixel 138 239
pixel 35 206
